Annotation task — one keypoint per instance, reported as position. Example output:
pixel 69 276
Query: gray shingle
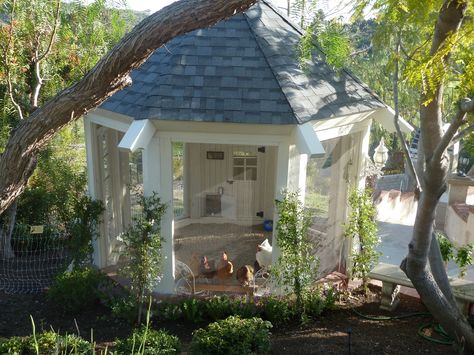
pixel 242 70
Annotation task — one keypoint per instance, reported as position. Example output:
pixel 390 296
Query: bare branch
pixel 7 63
pixel 466 105
pixel 462 134
pixel 40 57
pixel 360 51
pixel 411 167
pixel 53 33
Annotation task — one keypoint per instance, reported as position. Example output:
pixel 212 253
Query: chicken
pixel 264 254
pixel 207 268
pixel 245 275
pixel 194 264
pixel 225 269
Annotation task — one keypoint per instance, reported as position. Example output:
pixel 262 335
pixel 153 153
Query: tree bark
pixel 109 75
pixel 7 225
pixel 430 282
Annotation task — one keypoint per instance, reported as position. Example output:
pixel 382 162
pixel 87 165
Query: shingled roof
pixel 242 70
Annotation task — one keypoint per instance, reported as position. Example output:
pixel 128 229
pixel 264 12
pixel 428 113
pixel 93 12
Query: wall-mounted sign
pixel 36 229
pixel 215 155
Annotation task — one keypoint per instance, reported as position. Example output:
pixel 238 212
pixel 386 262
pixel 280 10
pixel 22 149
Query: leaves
pixel 362 229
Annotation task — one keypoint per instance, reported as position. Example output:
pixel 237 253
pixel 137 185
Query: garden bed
pixel 328 334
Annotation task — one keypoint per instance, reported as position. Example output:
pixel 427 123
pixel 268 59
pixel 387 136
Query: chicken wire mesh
pixel 31 258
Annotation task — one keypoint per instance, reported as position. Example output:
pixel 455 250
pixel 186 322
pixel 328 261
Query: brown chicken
pixel 207 268
pixel 245 275
pixel 194 264
pixel 225 269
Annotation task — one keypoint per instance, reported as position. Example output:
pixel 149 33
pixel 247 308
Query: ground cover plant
pixel 233 335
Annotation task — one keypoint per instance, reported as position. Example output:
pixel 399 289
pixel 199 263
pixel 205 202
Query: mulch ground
pixel 326 335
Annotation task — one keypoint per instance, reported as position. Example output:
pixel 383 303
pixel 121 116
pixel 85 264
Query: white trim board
pixel 116 123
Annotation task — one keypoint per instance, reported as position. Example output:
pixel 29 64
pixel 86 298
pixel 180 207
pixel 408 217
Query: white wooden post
pixel 291 175
pixel 93 183
pixel 157 177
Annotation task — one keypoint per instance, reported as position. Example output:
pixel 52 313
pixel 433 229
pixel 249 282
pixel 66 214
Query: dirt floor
pixel 327 335
pixel 240 242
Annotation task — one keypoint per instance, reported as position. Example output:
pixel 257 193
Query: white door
pixel 243 181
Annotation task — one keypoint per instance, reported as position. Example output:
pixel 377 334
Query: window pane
pixel 252 161
pixel 239 161
pixel 238 173
pixel 251 173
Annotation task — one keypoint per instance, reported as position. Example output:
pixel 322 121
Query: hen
pixel 225 269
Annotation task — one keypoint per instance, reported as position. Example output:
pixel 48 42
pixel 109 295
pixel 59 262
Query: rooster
pixel 225 269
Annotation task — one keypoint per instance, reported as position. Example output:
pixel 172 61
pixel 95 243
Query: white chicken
pixel 264 254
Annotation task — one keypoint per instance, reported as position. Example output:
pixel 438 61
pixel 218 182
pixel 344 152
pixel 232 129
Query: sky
pixel 334 8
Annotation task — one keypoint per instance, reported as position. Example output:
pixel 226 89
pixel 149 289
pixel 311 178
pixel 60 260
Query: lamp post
pixel 380 155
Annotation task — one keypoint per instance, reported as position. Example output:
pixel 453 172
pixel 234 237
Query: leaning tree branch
pixel 108 76
pixel 466 105
pixel 411 166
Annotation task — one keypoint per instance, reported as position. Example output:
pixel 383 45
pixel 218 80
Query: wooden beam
pixel 307 141
pixel 137 136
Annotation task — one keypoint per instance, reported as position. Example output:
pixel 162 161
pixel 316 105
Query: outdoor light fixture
pixel 380 155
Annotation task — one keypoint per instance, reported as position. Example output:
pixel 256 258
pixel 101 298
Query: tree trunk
pixel 430 281
pixel 7 227
pixel 109 75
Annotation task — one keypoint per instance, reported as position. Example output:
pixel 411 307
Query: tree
pixel 430 47
pixel 435 56
pixel 110 74
pixel 45 46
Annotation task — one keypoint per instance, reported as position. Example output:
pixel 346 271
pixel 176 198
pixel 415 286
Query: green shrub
pixel 297 267
pixel 233 336
pixel 76 290
pixel 362 228
pixel 314 304
pixel 148 342
pixel 244 309
pixel 13 345
pixel 124 308
pixel 218 307
pixel 170 311
pixel 193 310
pixel 278 310
pixel 47 342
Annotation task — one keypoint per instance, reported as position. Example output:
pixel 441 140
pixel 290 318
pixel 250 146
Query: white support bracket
pixel 307 141
pixel 137 136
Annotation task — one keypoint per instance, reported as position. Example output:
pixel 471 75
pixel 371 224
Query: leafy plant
pixel 462 255
pixel 146 341
pixel 233 335
pixel 219 307
pixel 296 267
pixel 76 290
pixel 278 310
pixel 82 229
pixel 464 258
pixel 143 249
pixel 170 311
pixel 244 308
pixel 446 247
pixel 362 228
pixel 46 343
pixel 124 308
pixel 192 310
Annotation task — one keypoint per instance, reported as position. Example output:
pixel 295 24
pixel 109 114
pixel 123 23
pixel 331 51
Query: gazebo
pixel 219 122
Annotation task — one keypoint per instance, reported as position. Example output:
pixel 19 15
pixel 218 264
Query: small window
pixel 244 167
